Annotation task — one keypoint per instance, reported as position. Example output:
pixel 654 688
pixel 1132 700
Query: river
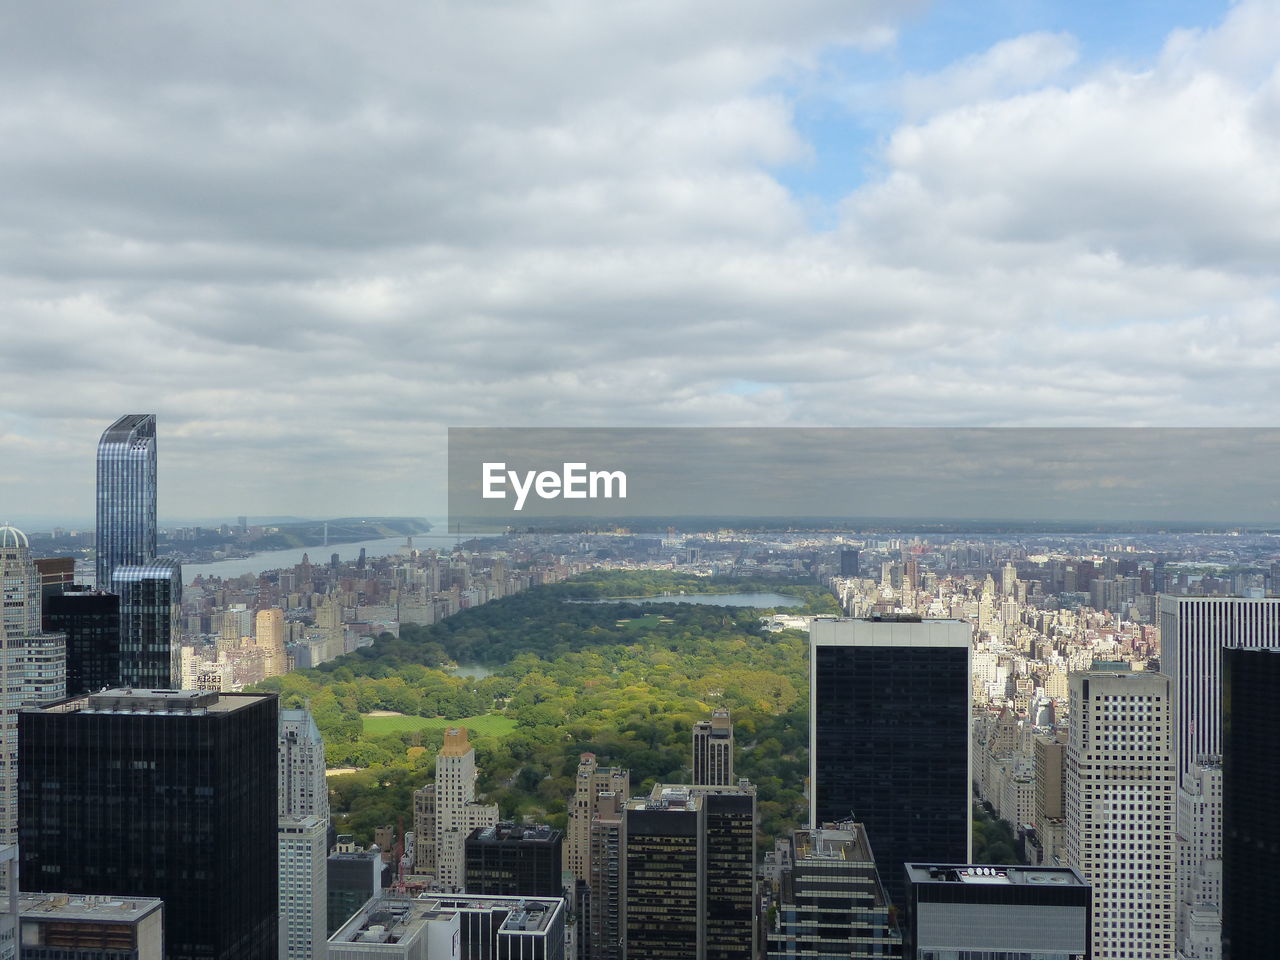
pixel 276 559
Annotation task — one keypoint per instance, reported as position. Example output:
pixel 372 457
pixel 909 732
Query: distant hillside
pixel 311 533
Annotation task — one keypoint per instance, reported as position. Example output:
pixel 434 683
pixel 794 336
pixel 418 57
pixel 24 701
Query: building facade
pixel 166 794
pixel 510 860
pixel 150 624
pixel 968 912
pixel 126 510
pixel 56 926
pixel 889 736
pixel 457 813
pixel 32 663
pixel 302 844
pixel 591 783
pixel 1250 777
pixel 713 749
pixel 829 899
pixel 1120 801
pixel 666 877
pixel 91 623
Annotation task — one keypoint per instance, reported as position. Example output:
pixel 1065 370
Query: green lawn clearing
pixel 484 725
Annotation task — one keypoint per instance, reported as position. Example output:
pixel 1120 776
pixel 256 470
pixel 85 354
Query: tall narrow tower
pixel 713 750
pixel 126 532
pixel 889 742
pixel 1119 802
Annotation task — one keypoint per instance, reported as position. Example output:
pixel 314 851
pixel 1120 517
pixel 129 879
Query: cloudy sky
pixel 312 235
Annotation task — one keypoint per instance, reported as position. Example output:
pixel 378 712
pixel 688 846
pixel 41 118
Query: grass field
pixel 485 725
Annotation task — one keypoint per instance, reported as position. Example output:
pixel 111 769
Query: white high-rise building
pixel 303 790
pixel 456 811
pixel 1119 804
pixel 33 664
pixel 1193 633
pixel 303 847
pixel 1199 824
pixel 302 838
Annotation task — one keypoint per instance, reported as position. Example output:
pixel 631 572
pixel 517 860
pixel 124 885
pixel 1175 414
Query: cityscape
pixel 621 744
pixel 565 480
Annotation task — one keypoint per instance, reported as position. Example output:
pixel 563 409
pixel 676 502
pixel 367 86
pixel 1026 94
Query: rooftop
pixel 393 919
pixel 91 909
pixel 1000 875
pixel 131 700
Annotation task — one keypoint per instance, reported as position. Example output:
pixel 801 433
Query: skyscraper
pixel 269 638
pixel 1194 633
pixel 831 902
pixel 302 797
pixel 457 812
pixel 601 919
pixel 1119 804
pixel 889 742
pixel 966 912
pixel 168 794
pixel 1250 779
pixel 32 663
pixel 666 876
pixel 150 623
pixel 713 749
pixel 126 532
pixel 592 781
pixel 507 860
pixel 691 895
pixel 91 622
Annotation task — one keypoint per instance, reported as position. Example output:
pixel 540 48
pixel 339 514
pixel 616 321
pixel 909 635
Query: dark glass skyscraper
pixel 168 794
pixel 150 610
pixel 889 737
pixel 126 532
pixel 91 622
pixel 1250 781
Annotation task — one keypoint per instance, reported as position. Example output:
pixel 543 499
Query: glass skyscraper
pixel 150 609
pixel 889 737
pixel 126 532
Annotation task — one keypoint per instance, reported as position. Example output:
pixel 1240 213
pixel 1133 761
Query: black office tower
pixel 508 860
pixel 849 562
pixel 91 622
pixel 168 794
pixel 1250 785
pixel 889 737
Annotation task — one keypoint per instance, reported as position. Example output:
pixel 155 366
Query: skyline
pixel 311 238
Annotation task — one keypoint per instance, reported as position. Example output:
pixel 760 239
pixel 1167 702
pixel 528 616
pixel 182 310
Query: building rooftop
pixel 999 875
pixel 131 700
pixel 391 919
pixel 91 909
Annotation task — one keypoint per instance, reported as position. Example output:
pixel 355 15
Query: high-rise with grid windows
pixel 126 531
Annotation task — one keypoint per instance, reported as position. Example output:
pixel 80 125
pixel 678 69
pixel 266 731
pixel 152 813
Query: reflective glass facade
pixel 168 795
pixel 150 622
pixel 1250 785
pixel 126 531
pixel 889 743
pixel 91 622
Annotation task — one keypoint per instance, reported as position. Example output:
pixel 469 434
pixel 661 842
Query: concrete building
pixel 1194 632
pixel 268 636
pixel 967 912
pixel 713 749
pixel 457 812
pixel 829 899
pixel 303 790
pixel 1119 801
pixel 592 781
pixel 510 860
pixel 889 735
pixel 602 911
pixel 55 926
pixel 32 663
pixel 303 846
pixel 462 927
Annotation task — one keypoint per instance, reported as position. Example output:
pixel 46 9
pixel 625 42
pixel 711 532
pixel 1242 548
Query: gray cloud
pixel 311 236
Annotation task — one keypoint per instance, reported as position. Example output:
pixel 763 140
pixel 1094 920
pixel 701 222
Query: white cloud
pixel 311 236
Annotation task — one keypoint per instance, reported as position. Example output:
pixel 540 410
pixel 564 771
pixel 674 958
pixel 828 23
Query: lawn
pixel 484 725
